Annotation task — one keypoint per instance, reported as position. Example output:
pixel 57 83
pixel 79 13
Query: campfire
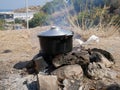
pixel 60 66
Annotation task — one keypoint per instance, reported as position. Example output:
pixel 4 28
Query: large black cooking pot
pixel 56 41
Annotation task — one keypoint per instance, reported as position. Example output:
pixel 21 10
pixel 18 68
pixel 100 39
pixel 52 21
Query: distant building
pixel 10 16
pixel 7 16
pixel 22 16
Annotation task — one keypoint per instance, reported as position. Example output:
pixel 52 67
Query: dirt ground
pixel 22 45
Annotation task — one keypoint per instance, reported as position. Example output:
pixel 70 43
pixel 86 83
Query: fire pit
pixel 58 57
pixel 69 69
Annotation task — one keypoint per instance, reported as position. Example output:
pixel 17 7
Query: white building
pixel 10 16
pixel 7 16
pixel 22 16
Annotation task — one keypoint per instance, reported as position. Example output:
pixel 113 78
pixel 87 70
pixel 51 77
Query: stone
pixel 96 70
pixel 106 62
pixel 7 51
pixel 68 85
pixel 111 74
pixel 80 88
pixel 113 87
pixel 16 82
pixel 69 72
pixel 105 53
pixel 47 82
pixel 74 57
pixel 40 64
pixel 87 86
pixel 98 57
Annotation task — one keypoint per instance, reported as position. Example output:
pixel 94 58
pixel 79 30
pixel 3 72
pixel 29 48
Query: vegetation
pixel 95 13
pixel 83 14
pixel 53 6
pixel 39 19
pixel 18 21
pixel 88 12
pixel 94 17
pixel 2 24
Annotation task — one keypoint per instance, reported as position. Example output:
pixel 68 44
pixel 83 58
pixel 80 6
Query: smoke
pixel 64 11
pixel 59 17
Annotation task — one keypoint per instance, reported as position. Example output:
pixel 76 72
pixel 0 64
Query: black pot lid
pixel 55 31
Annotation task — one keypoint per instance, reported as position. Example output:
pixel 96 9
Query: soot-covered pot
pixel 56 41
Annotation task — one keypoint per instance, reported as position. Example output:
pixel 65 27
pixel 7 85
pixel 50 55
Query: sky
pixel 15 4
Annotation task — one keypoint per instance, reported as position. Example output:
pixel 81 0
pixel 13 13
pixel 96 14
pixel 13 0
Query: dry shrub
pixel 100 32
pixel 108 25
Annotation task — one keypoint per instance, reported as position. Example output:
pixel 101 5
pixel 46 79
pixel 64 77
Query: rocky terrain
pixel 30 9
pixel 20 46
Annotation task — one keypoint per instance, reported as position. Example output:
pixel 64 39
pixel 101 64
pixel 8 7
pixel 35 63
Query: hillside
pixel 30 9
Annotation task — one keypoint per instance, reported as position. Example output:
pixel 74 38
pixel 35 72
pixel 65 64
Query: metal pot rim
pixel 54 32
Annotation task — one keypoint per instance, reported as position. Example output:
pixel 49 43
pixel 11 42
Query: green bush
pixel 55 5
pixel 91 18
pixel 19 21
pixel 2 24
pixel 48 8
pixel 39 19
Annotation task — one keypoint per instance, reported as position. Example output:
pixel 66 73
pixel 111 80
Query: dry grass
pixel 106 33
pixel 101 30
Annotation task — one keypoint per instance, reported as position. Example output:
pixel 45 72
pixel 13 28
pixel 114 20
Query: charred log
pixel 95 57
pixel 105 53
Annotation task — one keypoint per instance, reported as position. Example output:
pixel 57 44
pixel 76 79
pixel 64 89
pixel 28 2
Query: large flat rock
pixel 47 82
